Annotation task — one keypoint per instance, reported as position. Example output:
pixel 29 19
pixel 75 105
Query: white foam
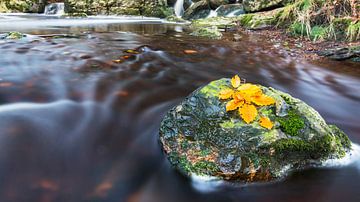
pixel 205 183
pixel 351 158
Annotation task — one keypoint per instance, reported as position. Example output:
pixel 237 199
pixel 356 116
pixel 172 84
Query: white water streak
pixel 179 8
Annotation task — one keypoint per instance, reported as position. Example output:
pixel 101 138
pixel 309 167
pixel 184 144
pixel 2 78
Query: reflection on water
pixel 76 126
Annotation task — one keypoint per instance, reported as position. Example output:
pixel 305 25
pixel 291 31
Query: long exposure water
pixel 77 126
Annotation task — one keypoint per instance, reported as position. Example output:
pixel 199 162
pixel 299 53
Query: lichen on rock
pixel 200 137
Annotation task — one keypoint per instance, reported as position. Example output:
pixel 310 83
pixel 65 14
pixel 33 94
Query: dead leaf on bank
pixel 6 84
pixel 190 51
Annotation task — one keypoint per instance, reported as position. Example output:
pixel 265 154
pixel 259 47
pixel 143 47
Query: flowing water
pixel 179 8
pixel 75 126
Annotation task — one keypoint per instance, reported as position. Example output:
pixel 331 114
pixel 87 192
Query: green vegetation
pixel 200 168
pixel 208 32
pixel 292 123
pixel 321 19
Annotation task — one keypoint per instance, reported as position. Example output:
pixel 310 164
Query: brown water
pixel 74 126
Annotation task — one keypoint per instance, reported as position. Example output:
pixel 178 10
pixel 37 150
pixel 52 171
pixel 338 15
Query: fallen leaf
pixel 250 89
pixel 248 113
pixel 131 51
pixel 117 61
pixel 266 123
pixel 6 84
pixel 233 105
pixel 226 94
pixel 263 100
pixel 235 81
pixel 190 51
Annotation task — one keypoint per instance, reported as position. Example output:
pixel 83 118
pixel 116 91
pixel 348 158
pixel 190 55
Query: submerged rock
pixel 208 32
pixel 12 35
pixel 201 138
pixel 345 53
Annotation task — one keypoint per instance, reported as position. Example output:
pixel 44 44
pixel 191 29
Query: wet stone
pixel 200 138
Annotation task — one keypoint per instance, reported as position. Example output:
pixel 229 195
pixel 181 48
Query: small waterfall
pixel 212 14
pixel 179 8
pixel 55 9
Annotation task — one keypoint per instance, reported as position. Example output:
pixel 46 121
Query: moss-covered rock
pixel 208 32
pixel 12 35
pixel 200 9
pixel 157 8
pixel 201 138
pixel 259 5
pixel 26 6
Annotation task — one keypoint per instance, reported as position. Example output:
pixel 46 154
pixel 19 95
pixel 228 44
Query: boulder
pixel 230 10
pixel 216 3
pixel 208 32
pixel 259 5
pixel 200 137
pixel 200 9
pixel 344 53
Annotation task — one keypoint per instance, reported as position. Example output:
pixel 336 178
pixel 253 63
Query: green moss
pixel 205 167
pixel 200 168
pixel 341 137
pixel 208 32
pixel 14 35
pixel 181 161
pixel 220 22
pixel 292 123
pixel 321 147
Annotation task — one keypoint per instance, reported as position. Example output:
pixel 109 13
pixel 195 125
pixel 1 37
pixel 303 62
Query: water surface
pixel 75 126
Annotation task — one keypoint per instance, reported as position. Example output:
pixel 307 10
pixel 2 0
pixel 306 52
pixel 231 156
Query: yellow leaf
pixel 226 94
pixel 266 123
pixel 233 104
pixel 263 100
pixel 238 96
pixel 250 89
pixel 248 113
pixel 235 81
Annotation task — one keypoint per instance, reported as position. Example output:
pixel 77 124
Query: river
pixel 77 125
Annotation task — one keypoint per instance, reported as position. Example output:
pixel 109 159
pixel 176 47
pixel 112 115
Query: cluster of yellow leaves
pixel 245 98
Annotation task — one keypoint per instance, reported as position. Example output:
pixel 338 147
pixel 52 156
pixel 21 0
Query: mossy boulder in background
pixel 259 5
pixel 208 32
pixel 201 138
pixel 12 35
pixel 157 8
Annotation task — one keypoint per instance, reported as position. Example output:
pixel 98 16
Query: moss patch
pixel 292 123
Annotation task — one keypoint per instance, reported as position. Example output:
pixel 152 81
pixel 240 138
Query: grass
pixel 321 19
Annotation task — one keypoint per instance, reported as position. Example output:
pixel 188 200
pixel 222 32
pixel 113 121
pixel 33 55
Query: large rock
pixel 200 9
pixel 201 138
pixel 344 53
pixel 25 6
pixel 216 3
pixel 119 7
pixel 230 10
pixel 259 5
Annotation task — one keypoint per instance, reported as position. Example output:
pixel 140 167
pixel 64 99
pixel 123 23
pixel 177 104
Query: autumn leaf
pixel 266 123
pixel 131 51
pixel 226 94
pixel 263 100
pixel 248 113
pixel 117 61
pixel 233 105
pixel 250 89
pixel 190 51
pixel 238 96
pixel 235 81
